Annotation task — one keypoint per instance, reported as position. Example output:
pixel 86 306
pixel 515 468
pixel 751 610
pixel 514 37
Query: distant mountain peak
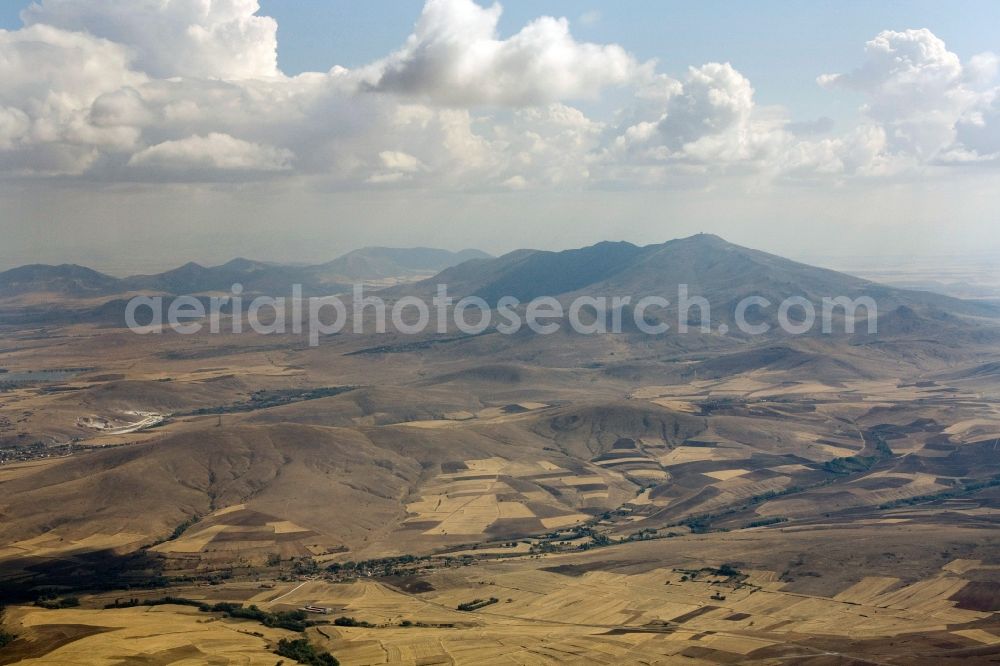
pixel 190 266
pixel 63 278
pixel 383 262
pixel 241 263
pixel 703 240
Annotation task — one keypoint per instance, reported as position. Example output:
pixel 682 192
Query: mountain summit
pixel 710 266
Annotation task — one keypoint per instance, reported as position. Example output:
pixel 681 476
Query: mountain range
pixel 366 264
pixel 711 268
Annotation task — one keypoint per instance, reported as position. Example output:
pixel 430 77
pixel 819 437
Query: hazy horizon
pixel 931 265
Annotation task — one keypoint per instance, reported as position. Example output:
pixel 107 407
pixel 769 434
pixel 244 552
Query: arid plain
pixel 523 499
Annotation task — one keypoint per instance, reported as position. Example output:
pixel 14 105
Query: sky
pixel 140 134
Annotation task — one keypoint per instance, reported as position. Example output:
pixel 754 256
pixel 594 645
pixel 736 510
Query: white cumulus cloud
pixel 222 39
pixel 920 92
pixel 213 151
pixel 179 90
pixel 708 119
pixel 455 57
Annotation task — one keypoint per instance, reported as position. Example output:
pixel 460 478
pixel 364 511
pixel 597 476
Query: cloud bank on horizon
pixel 179 91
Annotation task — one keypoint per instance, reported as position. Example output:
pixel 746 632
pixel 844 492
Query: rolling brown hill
pixel 599 483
